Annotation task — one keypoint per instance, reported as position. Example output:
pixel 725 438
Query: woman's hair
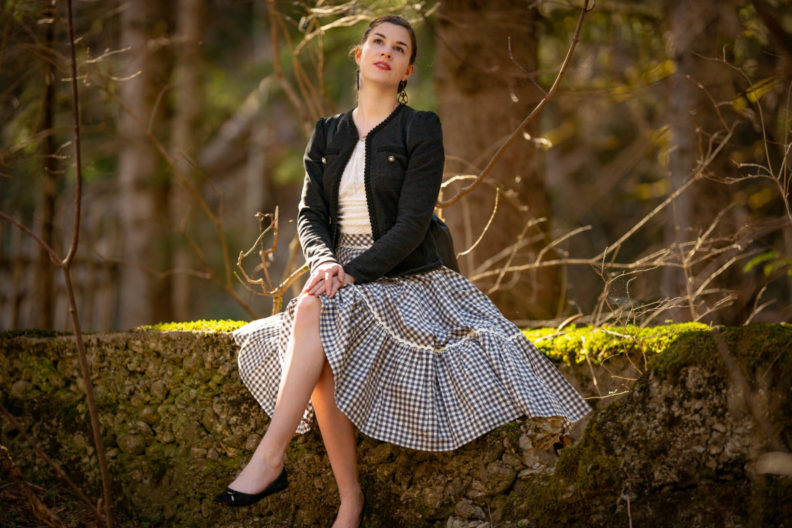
pixel 399 21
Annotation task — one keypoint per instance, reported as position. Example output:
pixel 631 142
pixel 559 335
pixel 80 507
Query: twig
pixel 486 227
pixel 53 464
pixel 39 509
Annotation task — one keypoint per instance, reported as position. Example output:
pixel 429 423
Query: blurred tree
pixel 143 198
pixel 484 66
pixel 187 103
pixel 695 36
pixel 44 279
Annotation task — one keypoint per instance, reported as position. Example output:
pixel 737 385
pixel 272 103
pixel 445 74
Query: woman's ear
pixel 358 51
pixel 409 72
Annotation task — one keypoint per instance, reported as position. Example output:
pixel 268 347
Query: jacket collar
pixel 348 131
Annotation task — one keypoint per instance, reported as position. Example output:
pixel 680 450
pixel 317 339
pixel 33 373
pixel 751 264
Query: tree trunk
pixel 696 31
pixel 145 298
pixel 482 96
pixel 44 273
pixel 187 97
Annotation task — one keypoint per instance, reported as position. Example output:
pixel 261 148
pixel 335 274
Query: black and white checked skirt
pixel 425 361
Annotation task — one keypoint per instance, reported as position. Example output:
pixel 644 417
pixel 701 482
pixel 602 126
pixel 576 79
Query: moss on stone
pixel 202 325
pixel 765 345
pixel 596 344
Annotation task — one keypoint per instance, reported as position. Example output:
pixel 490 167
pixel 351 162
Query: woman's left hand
pixel 327 278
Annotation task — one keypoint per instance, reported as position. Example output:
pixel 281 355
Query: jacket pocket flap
pixel 393 149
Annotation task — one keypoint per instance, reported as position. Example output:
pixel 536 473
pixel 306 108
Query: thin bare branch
pixel 529 118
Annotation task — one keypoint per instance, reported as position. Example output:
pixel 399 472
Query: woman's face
pixel 385 55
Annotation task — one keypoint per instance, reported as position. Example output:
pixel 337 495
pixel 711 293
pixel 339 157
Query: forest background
pixel 654 185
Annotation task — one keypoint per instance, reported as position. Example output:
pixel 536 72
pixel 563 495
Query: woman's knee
pixel 307 309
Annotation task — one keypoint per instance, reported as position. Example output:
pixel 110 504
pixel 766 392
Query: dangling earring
pixel 402 94
pixel 357 80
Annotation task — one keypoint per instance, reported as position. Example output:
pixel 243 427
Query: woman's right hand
pixel 327 278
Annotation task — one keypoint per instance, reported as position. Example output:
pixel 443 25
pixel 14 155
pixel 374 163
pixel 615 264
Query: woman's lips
pixel 382 65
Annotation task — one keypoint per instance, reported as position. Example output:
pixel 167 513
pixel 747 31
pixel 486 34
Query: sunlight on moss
pixel 576 344
pixel 202 325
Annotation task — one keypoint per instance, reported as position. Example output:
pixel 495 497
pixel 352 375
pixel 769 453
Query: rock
pixel 132 444
pixel 20 389
pixel 525 442
pixel 148 415
pixel 513 461
pixel 381 452
pixel 456 522
pixel 500 477
pixel 192 363
pixel 672 446
pixel 477 490
pixel 144 428
pixel 432 497
pixel 166 436
pixel 252 442
pixel 465 509
pixel 159 390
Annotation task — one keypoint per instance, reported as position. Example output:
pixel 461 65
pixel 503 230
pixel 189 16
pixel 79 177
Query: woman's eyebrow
pixel 397 42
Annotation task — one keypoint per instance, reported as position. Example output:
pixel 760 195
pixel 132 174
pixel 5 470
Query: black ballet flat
pixel 234 498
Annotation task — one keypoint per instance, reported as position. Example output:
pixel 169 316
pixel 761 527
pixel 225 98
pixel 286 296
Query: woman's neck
pixel 372 108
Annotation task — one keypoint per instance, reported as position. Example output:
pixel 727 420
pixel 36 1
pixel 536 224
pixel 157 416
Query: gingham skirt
pixel 425 361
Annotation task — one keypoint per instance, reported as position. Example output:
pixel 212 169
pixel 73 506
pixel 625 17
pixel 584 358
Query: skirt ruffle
pixel 424 361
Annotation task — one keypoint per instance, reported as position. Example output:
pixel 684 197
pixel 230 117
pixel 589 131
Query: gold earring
pixel 403 97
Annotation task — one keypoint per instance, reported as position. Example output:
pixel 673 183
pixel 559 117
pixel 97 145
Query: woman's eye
pixel 377 40
pixel 399 49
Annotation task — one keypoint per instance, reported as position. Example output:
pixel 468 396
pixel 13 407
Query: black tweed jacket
pixel 403 173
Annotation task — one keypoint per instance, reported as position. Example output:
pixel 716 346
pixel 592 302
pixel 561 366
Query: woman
pixel 383 336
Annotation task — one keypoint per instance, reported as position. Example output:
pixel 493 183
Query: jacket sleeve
pixel 417 199
pixel 313 227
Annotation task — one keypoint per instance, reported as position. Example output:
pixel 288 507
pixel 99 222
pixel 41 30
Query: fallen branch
pixel 54 465
pixel 39 509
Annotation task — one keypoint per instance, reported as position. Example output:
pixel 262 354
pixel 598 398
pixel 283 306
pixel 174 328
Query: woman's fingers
pixel 336 284
pixel 327 278
pixel 312 281
pixel 330 288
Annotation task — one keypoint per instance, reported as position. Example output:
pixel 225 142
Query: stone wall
pixel 677 448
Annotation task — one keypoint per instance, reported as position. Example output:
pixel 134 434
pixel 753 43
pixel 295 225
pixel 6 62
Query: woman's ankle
pixel 266 457
pixel 352 494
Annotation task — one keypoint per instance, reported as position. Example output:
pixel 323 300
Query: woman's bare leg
pixel 305 359
pixel 338 436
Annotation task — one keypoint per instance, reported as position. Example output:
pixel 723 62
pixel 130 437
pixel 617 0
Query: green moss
pixel 203 325
pixel 761 346
pixel 577 344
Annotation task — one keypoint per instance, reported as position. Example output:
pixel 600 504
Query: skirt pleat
pixel 424 361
